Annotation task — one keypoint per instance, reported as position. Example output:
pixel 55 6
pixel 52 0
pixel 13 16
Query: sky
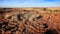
pixel 29 3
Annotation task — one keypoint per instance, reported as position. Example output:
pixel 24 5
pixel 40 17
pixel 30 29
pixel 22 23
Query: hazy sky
pixel 29 3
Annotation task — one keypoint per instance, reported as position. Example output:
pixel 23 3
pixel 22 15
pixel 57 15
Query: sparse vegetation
pixel 29 20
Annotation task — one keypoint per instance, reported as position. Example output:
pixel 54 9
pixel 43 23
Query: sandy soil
pixel 29 20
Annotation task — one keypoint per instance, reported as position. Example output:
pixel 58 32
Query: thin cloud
pixel 29 3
